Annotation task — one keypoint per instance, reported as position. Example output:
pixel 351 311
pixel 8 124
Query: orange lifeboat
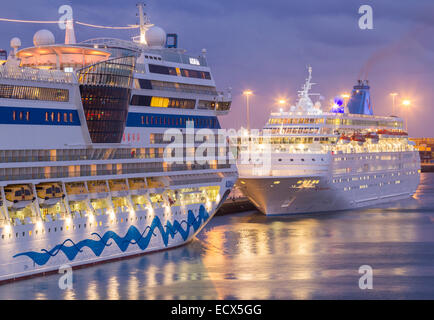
pixel 373 136
pixel 345 139
pixel 358 138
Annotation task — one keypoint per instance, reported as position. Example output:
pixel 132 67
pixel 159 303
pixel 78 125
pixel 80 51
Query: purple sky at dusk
pixel 266 45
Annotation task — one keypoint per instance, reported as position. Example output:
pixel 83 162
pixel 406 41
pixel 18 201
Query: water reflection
pixel 250 256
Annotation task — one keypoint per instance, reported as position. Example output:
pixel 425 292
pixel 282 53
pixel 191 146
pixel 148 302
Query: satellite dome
pixel 43 38
pixel 155 37
pixel 15 42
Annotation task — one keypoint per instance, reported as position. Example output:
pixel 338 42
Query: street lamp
pixel 406 104
pixel 248 93
pixel 393 95
pixel 345 96
pixel 282 103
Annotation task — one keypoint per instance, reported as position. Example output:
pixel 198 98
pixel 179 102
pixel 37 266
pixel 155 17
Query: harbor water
pixel 250 256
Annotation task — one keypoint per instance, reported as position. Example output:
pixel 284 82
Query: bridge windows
pixel 162 102
pixel 172 71
pixel 155 68
pixel 33 93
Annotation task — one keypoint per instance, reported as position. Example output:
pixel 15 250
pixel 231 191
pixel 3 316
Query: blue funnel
pixel 360 101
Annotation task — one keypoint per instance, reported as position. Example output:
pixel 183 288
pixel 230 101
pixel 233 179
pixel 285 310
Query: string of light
pixel 105 27
pixel 26 21
pixel 77 22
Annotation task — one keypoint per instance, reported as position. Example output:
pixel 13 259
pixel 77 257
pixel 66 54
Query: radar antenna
pixel 307 86
pixel 304 103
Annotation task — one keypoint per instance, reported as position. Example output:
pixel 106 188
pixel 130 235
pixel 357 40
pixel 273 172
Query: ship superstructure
pixel 308 160
pixel 85 169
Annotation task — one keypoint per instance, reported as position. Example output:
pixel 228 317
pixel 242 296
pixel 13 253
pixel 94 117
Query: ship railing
pixel 31 74
pixel 12 159
pixel 94 173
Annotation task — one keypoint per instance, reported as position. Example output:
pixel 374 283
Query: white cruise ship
pixel 307 160
pixel 84 177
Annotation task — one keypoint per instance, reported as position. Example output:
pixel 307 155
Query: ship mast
pixel 304 102
pixel 143 22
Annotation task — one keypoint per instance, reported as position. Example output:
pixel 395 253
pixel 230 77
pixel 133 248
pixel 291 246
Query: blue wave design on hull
pixel 133 236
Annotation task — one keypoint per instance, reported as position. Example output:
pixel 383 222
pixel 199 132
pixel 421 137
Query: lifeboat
pixel 97 189
pixel 383 131
pixel 118 188
pixel 137 186
pixel 19 196
pixel 49 193
pixel 344 139
pixel 373 136
pixel 359 138
pixel 76 191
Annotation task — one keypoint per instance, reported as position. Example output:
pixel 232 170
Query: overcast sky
pixel 265 46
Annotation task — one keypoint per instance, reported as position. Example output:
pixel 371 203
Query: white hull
pixel 37 248
pixel 328 191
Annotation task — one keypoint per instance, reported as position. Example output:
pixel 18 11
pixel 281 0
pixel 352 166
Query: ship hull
pixel 299 194
pixel 83 241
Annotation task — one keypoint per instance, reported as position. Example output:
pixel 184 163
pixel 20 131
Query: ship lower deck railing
pixel 93 173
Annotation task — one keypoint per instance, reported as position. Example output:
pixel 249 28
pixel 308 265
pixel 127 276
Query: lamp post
pixel 406 104
pixel 248 93
pixel 393 95
pixel 346 96
pixel 282 103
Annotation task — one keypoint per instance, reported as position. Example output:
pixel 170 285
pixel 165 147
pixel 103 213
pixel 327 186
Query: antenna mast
pixel 143 21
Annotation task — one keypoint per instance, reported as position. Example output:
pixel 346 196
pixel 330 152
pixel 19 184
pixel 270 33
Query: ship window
pixel 27 115
pixel 14 115
pixel 70 117
pixel 195 74
pixel 21 115
pixel 65 117
pixel 145 84
pixel 154 68
pixel 33 93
